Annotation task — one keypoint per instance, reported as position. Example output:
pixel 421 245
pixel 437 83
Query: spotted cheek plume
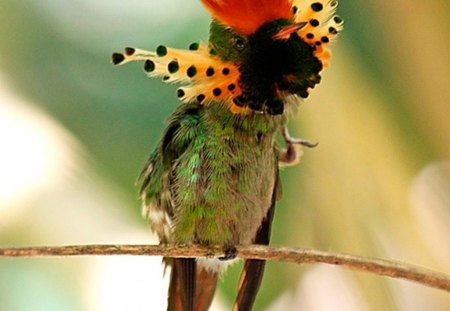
pixel 204 77
pixel 322 25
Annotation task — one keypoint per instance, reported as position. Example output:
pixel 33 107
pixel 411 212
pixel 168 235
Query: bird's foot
pixel 230 253
pixel 291 155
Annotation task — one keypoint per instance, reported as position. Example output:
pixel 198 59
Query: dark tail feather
pixel 191 288
pixel 206 287
pixel 253 271
pixel 249 283
pixel 182 285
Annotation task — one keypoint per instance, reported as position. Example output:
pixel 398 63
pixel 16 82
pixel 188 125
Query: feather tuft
pixel 322 25
pixel 205 77
pixel 246 16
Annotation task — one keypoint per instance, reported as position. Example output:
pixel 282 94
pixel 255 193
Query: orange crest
pixel 246 16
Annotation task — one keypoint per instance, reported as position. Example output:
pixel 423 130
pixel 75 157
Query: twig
pixel 296 255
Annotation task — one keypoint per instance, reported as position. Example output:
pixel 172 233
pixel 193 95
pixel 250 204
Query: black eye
pixel 239 43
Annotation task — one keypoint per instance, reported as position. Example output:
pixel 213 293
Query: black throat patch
pixel 272 68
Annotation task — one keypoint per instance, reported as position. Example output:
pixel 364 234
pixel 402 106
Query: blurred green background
pixel 75 131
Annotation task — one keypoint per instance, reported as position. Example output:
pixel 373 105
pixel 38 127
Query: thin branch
pixel 383 267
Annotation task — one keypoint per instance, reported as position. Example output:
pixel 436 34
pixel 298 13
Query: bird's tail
pixel 253 271
pixel 249 284
pixel 191 288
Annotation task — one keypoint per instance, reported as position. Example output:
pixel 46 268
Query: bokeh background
pixel 75 131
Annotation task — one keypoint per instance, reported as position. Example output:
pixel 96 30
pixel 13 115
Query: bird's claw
pixel 230 253
pixel 291 155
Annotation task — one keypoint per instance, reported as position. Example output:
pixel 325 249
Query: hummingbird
pixel 213 178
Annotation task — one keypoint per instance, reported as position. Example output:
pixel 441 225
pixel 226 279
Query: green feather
pixel 222 169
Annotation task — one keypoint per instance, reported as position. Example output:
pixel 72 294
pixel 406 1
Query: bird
pixel 213 177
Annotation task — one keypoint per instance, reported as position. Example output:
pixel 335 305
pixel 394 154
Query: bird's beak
pixel 286 31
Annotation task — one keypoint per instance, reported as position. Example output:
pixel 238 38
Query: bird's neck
pixel 251 123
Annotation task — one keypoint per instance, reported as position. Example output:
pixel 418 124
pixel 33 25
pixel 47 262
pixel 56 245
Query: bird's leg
pixel 291 155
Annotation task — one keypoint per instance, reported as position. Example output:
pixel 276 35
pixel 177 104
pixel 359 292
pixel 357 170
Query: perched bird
pixel 213 177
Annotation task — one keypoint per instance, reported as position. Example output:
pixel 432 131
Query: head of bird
pixel 266 45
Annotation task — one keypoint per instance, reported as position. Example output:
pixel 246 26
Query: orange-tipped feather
pixel 246 16
pixel 206 78
pixel 322 25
